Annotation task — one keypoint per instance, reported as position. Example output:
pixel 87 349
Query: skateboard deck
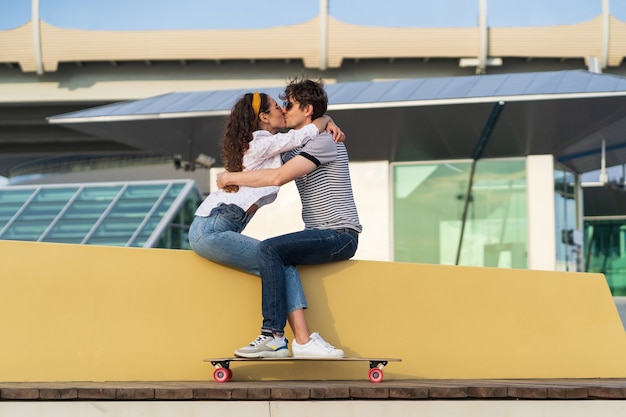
pixel 223 373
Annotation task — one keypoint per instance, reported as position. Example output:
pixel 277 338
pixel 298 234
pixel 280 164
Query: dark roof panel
pixel 565 113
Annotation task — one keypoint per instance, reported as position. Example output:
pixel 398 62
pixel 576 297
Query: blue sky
pixel 254 14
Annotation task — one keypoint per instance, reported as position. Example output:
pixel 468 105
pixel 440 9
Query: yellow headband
pixel 256 103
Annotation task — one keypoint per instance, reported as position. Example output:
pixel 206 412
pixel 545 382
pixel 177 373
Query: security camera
pixel 205 160
pixel 178 162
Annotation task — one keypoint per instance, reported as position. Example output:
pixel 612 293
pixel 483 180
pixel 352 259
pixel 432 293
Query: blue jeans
pixel 279 254
pixel 218 238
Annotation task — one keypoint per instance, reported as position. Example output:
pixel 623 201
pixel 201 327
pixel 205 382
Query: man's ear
pixel 309 110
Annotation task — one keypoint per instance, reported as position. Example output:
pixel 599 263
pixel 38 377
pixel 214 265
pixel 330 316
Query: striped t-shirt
pixel 326 192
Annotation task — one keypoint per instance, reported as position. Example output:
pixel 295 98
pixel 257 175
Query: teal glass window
pixel 568 245
pixel 606 251
pixel 428 205
pixel 84 211
pixel 135 214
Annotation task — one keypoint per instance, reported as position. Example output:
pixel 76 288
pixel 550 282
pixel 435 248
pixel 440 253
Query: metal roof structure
pixel 134 214
pixel 564 113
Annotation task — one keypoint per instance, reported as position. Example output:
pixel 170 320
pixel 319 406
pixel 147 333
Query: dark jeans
pixel 307 247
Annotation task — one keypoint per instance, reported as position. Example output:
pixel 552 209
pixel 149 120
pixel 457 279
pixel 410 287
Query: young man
pixel 331 222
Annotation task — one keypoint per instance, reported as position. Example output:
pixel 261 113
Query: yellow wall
pixel 87 313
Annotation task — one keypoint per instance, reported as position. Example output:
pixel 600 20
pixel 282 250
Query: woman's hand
pixel 221 179
pixel 335 131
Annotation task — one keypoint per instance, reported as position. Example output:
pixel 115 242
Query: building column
pixel 540 206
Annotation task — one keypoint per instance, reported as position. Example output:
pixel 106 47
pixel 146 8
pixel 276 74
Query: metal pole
pixel 484 37
pixel 476 155
pixel 606 31
pixel 36 21
pixel 323 34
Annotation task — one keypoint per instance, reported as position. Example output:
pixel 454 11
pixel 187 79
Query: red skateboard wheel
pixel 375 375
pixel 222 375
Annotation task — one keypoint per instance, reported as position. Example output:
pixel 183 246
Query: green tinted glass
pixel 121 214
pixel 428 206
pixel 605 251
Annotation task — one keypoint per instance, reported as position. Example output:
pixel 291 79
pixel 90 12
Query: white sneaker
pixel 315 348
pixel 264 347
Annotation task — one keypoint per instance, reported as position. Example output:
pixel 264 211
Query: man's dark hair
pixel 306 92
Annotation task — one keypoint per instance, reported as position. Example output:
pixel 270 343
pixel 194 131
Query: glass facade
pixel 606 251
pixel 429 200
pixel 134 214
pixel 569 238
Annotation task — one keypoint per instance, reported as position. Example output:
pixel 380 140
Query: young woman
pixel 250 142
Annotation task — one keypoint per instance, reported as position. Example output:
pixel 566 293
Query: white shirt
pixel 263 153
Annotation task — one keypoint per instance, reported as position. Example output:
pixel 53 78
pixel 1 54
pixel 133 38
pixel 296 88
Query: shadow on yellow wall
pixel 88 313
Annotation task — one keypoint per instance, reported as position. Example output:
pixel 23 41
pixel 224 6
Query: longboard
pixel 223 373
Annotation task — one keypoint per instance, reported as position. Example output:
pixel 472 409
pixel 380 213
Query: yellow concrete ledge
pixel 87 313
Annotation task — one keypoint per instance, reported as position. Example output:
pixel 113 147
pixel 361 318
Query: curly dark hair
pixel 305 92
pixel 238 133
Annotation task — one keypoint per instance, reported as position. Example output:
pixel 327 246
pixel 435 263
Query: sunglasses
pixel 288 105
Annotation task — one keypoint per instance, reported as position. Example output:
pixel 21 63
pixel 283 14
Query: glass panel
pixel 84 212
pixel 141 191
pixel 125 209
pixel 143 236
pixel 47 204
pixel 175 190
pixel 30 231
pixel 428 205
pixel 127 214
pixel 118 230
pixel 69 231
pixel 568 236
pixel 47 195
pixel 175 235
pixel 8 196
pixel 108 240
pixel 606 252
pixel 10 203
pixel 37 216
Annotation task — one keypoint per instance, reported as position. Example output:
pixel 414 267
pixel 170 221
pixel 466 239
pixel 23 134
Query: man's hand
pixel 335 131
